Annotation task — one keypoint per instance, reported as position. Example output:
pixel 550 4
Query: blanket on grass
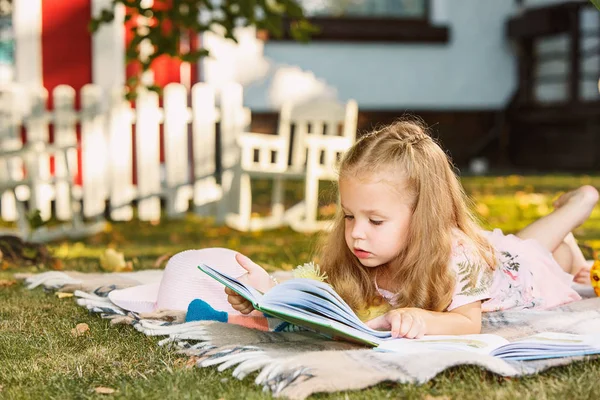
pixel 298 364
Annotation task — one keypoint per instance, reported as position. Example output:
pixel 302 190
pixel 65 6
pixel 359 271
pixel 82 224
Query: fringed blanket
pixel 298 364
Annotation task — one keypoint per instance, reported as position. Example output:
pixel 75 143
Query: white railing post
pixel 94 151
pixel 176 119
pixel 148 118
pixel 233 121
pixel 204 119
pixel 65 119
pixel 11 169
pixel 38 167
pixel 121 190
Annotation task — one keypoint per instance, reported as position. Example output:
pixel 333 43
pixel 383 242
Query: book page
pixel 247 292
pixel 322 324
pixel 479 343
pixel 549 345
pixel 316 297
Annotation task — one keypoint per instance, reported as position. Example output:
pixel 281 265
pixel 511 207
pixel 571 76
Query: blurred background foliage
pixel 505 202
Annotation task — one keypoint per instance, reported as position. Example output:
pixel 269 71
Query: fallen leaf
pixel 104 390
pixel 192 362
pixel 62 295
pixel 80 329
pixel 1 387
pixel 56 264
pixel 430 397
pixel 113 261
pixel 186 363
pixel 128 267
pixel 7 282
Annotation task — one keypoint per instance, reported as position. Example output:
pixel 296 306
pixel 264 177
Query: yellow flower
pixel 310 271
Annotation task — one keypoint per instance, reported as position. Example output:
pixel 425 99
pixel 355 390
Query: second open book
pixel 315 305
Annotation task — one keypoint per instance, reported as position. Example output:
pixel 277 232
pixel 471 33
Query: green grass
pixel 39 358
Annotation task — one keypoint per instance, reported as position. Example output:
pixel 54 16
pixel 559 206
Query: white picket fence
pixel 106 123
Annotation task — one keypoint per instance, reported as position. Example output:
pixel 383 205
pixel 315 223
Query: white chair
pixel 309 138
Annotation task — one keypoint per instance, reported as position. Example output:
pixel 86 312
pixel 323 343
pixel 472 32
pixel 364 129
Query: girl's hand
pixel 238 302
pixel 256 277
pixel 403 322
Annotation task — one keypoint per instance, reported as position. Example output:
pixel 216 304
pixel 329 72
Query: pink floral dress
pixel 526 275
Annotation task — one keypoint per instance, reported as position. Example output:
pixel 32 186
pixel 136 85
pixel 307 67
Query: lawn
pixel 39 358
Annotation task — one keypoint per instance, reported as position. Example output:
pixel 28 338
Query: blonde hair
pixel 420 275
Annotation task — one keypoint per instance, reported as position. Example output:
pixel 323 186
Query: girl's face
pixel 377 214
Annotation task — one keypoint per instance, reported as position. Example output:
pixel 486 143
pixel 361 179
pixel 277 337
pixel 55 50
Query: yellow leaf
pixel 80 329
pixel 104 390
pixel 108 228
pixel 113 261
pixel 62 295
pixel 6 282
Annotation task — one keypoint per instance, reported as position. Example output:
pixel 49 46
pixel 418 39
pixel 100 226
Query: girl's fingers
pixel 395 320
pixel 248 264
pixel 233 300
pixel 415 330
pixel 378 323
pixel 406 325
pixel 243 308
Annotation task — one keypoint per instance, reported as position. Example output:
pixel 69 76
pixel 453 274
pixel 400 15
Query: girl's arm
pixel 416 322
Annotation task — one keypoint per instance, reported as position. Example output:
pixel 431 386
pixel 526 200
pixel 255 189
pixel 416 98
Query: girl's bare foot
pixel 583 274
pixel 587 195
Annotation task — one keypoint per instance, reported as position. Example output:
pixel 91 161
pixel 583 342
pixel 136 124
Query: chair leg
pixel 225 205
pixel 245 199
pixel 239 194
pixel 22 223
pixel 311 198
pixel 206 195
pixel 277 206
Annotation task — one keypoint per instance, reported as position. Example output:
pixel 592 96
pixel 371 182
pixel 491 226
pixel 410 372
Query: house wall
pixel 476 69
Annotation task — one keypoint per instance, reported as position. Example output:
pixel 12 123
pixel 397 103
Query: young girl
pixel 404 238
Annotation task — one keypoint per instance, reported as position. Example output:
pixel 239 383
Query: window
pixel 414 9
pixel 371 21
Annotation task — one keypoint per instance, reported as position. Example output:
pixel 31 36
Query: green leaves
pixel 596 3
pixel 34 219
pixel 159 30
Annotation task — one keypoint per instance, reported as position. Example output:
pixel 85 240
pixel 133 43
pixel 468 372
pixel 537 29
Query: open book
pixel 315 305
pixel 308 303
pixel 538 346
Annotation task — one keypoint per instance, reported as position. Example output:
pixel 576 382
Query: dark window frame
pixel 372 29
